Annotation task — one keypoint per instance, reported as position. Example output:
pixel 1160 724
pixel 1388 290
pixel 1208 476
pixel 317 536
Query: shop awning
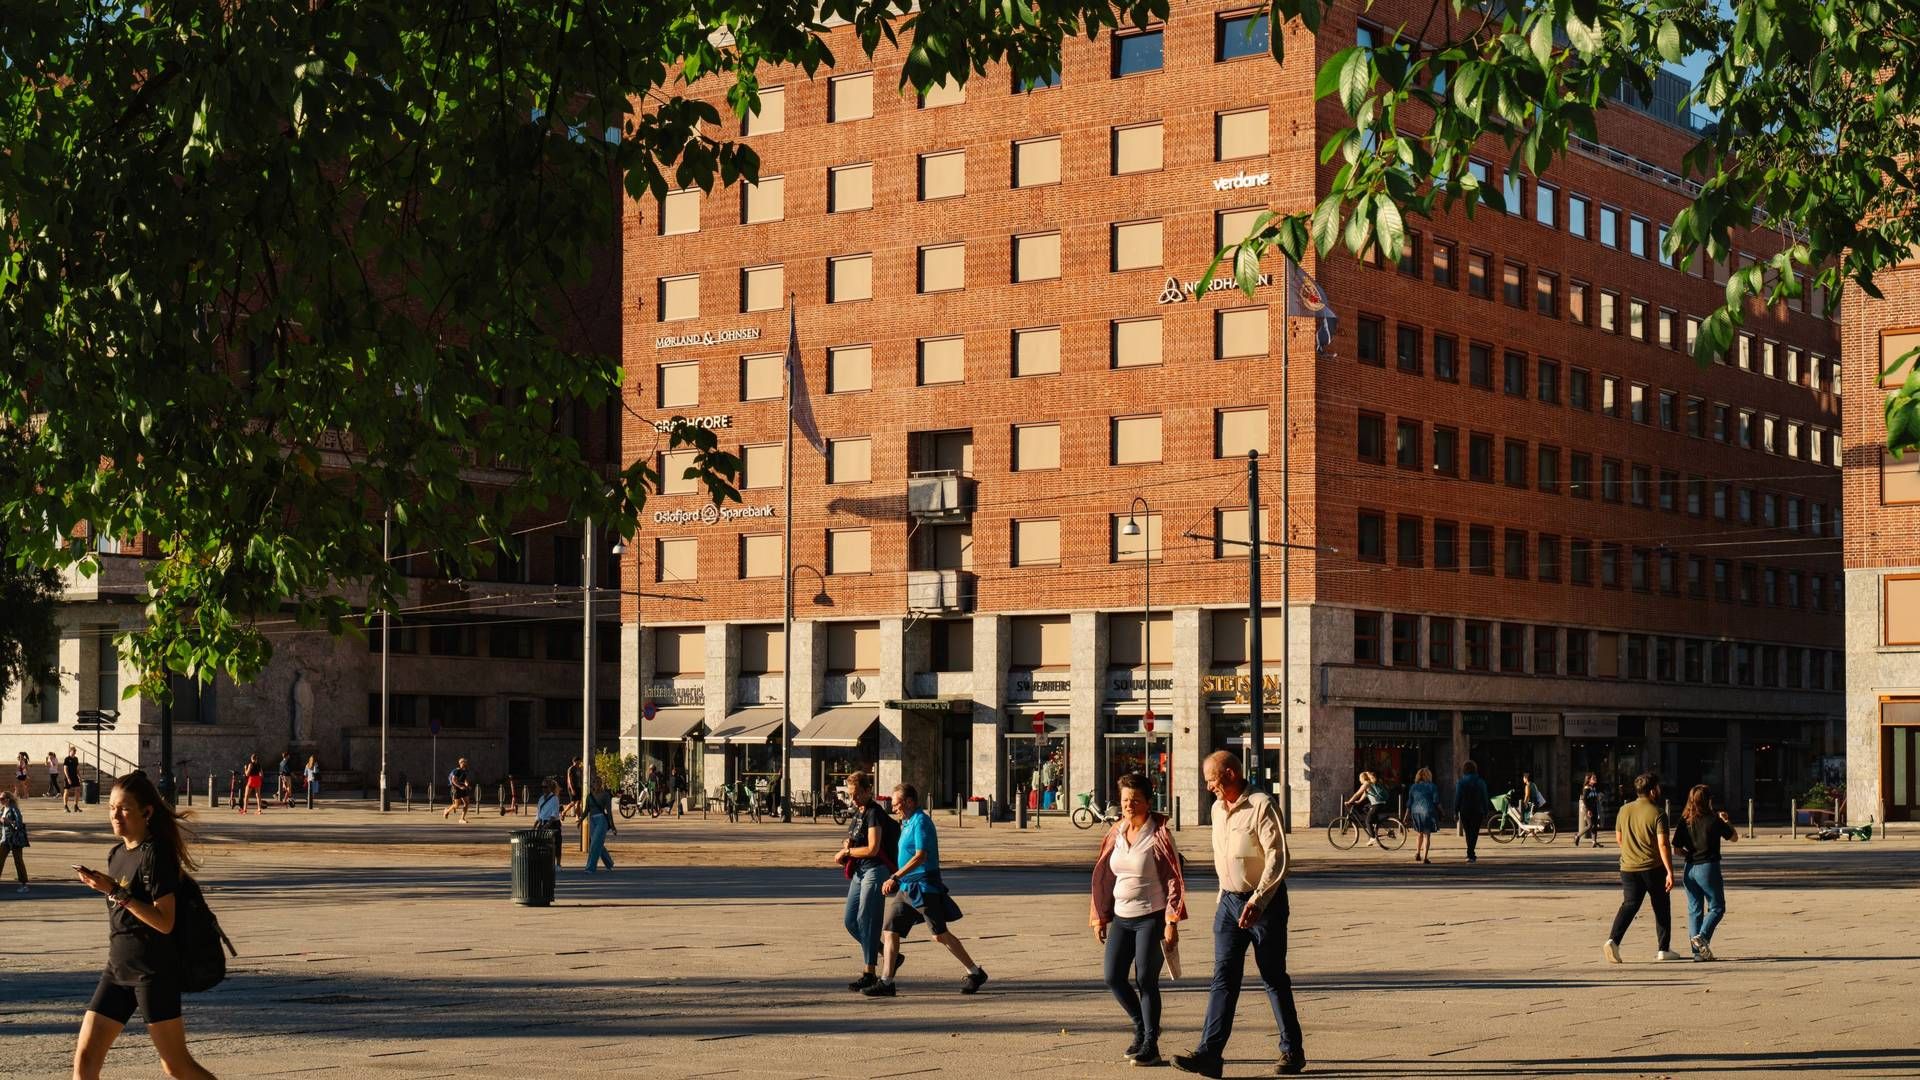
pixel 671 725
pixel 843 727
pixel 748 726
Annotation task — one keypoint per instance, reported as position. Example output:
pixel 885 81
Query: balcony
pixel 940 495
pixel 939 592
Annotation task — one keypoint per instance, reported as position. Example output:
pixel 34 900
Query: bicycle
pixel 1389 832
pixel 1088 813
pixel 842 810
pixel 1506 825
pixel 740 798
pixel 646 798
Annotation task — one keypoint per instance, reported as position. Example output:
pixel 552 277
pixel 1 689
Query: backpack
pixel 197 938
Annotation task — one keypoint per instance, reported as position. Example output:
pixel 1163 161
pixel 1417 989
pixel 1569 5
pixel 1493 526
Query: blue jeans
pixel 1268 939
pixel 865 906
pixel 597 842
pixel 1706 899
pixel 1135 943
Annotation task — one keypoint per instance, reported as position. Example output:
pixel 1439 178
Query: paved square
pixel 379 948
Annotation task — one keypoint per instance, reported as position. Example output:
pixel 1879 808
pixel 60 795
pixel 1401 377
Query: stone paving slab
pixel 380 950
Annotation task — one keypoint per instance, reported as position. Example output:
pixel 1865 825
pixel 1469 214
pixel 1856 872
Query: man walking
pixel 284 796
pixel 1471 805
pixel 70 797
pixel 919 895
pixel 1646 867
pixel 460 794
pixel 1250 858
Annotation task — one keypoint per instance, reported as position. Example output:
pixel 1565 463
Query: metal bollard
pixel 406 791
pixel 1020 809
pixel 189 791
pixel 1749 819
pixel 309 796
pixel 1793 818
pixel 432 796
pixel 1176 813
pixel 960 811
pixel 211 801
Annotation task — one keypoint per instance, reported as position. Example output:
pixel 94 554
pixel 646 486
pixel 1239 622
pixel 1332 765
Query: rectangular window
pixel 1440 642
pixel 1446 363
pixel 1514 374
pixel 1547 381
pixel 1367 341
pixel 1135 245
pixel 1446 451
pixel 1515 472
pixel 674 467
pixel 849 369
pixel 761 465
pixel 1577 301
pixel 1443 259
pixel 1637 237
pixel 946 92
pixel 1240 134
pixel 1410 261
pixel 1446 549
pixel 680 212
pixel 1366 637
pixel 1666 260
pixel 1516 553
pixel 1480 365
pixel 1513 278
pixel 1580 562
pixel 849 97
pixel 762 376
pixel 849 278
pixel 1479 641
pixel 1546 650
pixel 1407 349
pixel 1513 191
pixel 1609 226
pixel 943 268
pixel 763 288
pixel 772 116
pixel 1479 267
pixel 1240 332
pixel 1642 570
pixel 679 298
pixel 1637 403
pixel 1036 257
pixel 1036 351
pixel 1545 197
pixel 1036 162
pixel 1637 320
pixel 1136 53
pixel 1036 447
pixel 1233 226
pixel 943 175
pixel 1138 148
pixel 1663 329
pixel 1406 444
pixel 1669 414
pixel 1610 480
pixel 1406 641
pixel 941 360
pixel 760 555
pixel 1044 81
pixel 676 559
pixel 1580 476
pixel 1480 457
pixel 1371 437
pixel 1036 542
pixel 1136 440
pixel 1547 558
pixel 1237 431
pixel 679 385
pixel 1372 533
pixel 850 187
pixel 1547 470
pixel 1610 566
pixel 1407 541
pixel 1144 544
pixel 1136 343
pixel 1639 490
pixel 1577 215
pixel 1609 312
pixel 1480 549
pixel 849 551
pixel 849 461
pixel 763 201
pixel 1241 36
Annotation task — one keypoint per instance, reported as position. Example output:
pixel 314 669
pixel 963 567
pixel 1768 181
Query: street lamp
pixel 1134 528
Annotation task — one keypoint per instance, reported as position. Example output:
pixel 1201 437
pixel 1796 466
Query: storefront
pixel 1506 746
pixel 1614 748
pixel 1037 760
pixel 1131 742
pixel 752 741
pixel 1781 759
pixel 1899 761
pixel 1394 744
pixel 1692 751
pixel 842 741
pixel 673 741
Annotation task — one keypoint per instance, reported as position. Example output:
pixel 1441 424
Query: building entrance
pixel 1136 751
pixel 1900 772
pixel 1037 770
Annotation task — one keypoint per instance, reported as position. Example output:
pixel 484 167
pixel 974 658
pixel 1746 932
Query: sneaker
pixel 975 979
pixel 1666 954
pixel 879 989
pixel 1133 1048
pixel 1706 951
pixel 1291 1065
pixel 1149 1054
pixel 1612 952
pixel 1199 1064
pixel 866 979
pixel 21 889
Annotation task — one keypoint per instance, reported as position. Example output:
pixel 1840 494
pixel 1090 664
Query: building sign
pixel 677 694
pixel 1175 291
pixel 1402 721
pixel 843 689
pixel 1127 684
pixel 711 514
pixel 1242 180
pixel 1536 723
pixel 709 337
pixel 1592 727
pixel 1028 685
pixel 710 423
pixel 1238 687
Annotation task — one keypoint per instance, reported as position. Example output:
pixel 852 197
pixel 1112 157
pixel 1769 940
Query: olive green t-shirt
pixel 1641 825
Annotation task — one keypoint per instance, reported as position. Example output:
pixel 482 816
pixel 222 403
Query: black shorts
pixel 901 917
pixel 158 999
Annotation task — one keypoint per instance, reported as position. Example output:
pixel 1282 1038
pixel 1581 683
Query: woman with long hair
pixel 1701 830
pixel 1423 814
pixel 1139 899
pixel 1374 794
pixel 1589 811
pixel 142 877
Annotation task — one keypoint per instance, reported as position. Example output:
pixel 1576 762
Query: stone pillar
pixel 1186 717
pixel 992 651
pixel 633 684
pixel 890 682
pixel 716 690
pixel 803 684
pixel 1083 735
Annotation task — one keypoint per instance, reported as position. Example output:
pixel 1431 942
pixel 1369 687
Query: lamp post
pixel 1134 528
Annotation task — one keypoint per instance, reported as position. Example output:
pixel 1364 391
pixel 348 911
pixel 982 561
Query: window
pixel 1544 198
pixel 1637 403
pixel 1480 365
pixel 1516 553
pixel 1515 472
pixel 1136 440
pixel 1577 215
pixel 849 551
pixel 946 92
pixel 1479 266
pixel 941 360
pixel 849 97
pixel 1640 485
pixel 1410 261
pixel 1143 545
pixel 1137 148
pixel 1135 245
pixel 1407 540
pixel 1610 396
pixel 1480 549
pixel 1237 431
pixel 1233 226
pixel 1136 342
pixel 1440 642
pixel 1577 653
pixel 1610 226
pixel 762 376
pixel 679 298
pixel 850 187
pixel 1371 432
pixel 1367 341
pixel 1579 389
pixel 1136 53
pixel 760 555
pixel 1609 480
pixel 1637 237
pixel 1406 641
pixel 1480 457
pixel 1240 134
pixel 1036 447
pixel 943 268
pixel 679 384
pixel 1547 558
pixel 1372 533
pixel 1366 637
pixel 1513 192
pixel 943 175
pixel 1669 418
pixel 1666 260
pixel 1043 81
pixel 1696 495
pixel 1479 640
pixel 1036 257
pixel 1609 312
pixel 1241 36
pixel 763 201
pixel 849 461
pixel 1663 333
pixel 1240 332
pixel 1580 476
pixel 762 288
pixel 1547 381
pixel 1697 577
pixel 1514 374
pixel 761 465
pixel 1446 551
pixel 1036 351
pixel 1547 470
pixel 849 278
pixel 1407 349
pixel 1442 260
pixel 1577 301
pixel 772 116
pixel 1446 365
pixel 1637 320
pixel 1642 570
pixel 680 212
pixel 676 558
pixel 1036 542
pixel 1036 162
pixel 1446 451
pixel 1513 278
pixel 1546 294
pixel 1610 566
pixel 1580 562
pixel 1406 444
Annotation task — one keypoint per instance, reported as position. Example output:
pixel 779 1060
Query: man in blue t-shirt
pixel 916 894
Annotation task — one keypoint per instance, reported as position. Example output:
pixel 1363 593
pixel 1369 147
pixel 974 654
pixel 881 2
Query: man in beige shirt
pixel 1250 857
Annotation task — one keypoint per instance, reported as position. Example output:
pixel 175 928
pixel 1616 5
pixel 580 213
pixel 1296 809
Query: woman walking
pixel 1423 814
pixel 1139 899
pixel 256 777
pixel 22 787
pixel 599 811
pixel 143 872
pixel 53 774
pixel 13 836
pixel 1701 830
pixel 312 774
pixel 1374 794
pixel 1589 811
pixel 866 857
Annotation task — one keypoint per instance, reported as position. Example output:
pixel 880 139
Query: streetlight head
pixel 619 546
pixel 1131 528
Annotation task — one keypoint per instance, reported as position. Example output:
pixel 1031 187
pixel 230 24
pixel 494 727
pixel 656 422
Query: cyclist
pixel 1374 794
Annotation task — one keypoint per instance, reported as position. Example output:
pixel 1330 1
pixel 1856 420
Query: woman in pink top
pixel 1139 898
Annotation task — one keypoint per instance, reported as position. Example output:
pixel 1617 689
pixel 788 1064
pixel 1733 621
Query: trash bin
pixel 90 792
pixel 532 866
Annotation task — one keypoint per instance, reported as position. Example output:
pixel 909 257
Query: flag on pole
pixel 799 407
pixel 1306 301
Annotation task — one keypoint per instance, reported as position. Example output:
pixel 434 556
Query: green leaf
pixel 1325 228
pixel 1390 228
pixel 1540 42
pixel 1327 82
pixel 1667 40
pixel 1356 81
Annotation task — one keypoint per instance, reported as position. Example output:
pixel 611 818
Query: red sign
pixel 1147 721
pixel 1040 724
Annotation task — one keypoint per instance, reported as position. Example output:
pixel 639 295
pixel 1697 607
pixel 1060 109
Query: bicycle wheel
pixel 629 806
pixel 840 814
pixel 1392 835
pixel 1342 834
pixel 1083 818
pixel 1547 832
pixel 1502 830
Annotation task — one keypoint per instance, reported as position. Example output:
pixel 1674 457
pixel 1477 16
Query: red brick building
pixel 1536 534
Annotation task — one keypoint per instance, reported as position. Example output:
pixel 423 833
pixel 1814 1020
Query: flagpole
pixel 786 607
pixel 1286 550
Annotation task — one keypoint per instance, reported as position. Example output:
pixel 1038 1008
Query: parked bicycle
pixel 842 810
pixel 1389 832
pixel 647 798
pixel 1090 812
pixel 1507 824
pixel 755 801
